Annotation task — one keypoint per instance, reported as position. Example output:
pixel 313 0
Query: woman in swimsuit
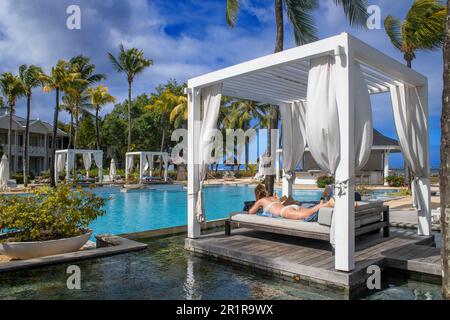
pixel 271 204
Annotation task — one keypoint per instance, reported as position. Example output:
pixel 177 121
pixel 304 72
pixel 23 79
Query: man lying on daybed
pixel 272 206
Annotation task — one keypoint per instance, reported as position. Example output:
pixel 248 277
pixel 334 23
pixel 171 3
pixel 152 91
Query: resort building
pixel 375 171
pixel 40 142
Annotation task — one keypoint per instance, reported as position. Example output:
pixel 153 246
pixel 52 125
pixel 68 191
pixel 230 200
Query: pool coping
pixel 121 245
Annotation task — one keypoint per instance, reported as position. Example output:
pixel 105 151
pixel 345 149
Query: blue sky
pixel 185 38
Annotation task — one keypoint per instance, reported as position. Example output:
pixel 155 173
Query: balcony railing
pixel 32 150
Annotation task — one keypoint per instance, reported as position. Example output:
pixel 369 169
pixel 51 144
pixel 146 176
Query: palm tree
pixel 30 76
pixel 422 29
pixel 12 89
pixel 444 182
pixel 99 98
pixel 243 112
pixel 299 14
pixel 86 69
pixel 131 62
pixel 62 78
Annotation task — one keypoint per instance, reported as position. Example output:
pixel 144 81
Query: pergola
pixel 65 159
pixel 145 163
pixel 284 79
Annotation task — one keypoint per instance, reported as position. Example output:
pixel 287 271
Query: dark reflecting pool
pixel 166 271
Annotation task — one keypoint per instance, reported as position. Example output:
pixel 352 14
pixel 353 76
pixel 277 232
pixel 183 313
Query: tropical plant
pixel 299 12
pixel 99 98
pixel 86 69
pixel 324 181
pixel 444 183
pixel 50 214
pixel 422 29
pixel 62 78
pixel 12 89
pixel 396 181
pixel 131 62
pixel 30 77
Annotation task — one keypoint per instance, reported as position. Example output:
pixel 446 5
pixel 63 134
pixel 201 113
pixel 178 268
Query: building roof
pixel 21 122
pixel 381 140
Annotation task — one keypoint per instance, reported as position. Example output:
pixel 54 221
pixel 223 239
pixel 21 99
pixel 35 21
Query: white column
pixel 287 186
pixel 141 167
pixel 386 167
pixel 56 171
pixel 344 212
pixel 126 168
pixel 68 157
pixel 277 167
pixel 424 214
pixel 194 104
pixel 166 167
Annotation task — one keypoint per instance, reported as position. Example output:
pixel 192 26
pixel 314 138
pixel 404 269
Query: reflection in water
pixel 166 271
pixel 189 284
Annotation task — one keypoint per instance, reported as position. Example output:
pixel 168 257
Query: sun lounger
pixel 369 217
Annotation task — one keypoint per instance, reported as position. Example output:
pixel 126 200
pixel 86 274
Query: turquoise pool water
pixel 143 210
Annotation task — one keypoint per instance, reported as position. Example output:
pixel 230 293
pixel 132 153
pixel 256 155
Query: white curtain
pixel 322 120
pixel 130 163
pixel 112 169
pixel 60 162
pixel 4 172
pixel 210 97
pixel 411 123
pixel 98 158
pixel 87 162
pixel 146 164
pixel 363 120
pixel 294 136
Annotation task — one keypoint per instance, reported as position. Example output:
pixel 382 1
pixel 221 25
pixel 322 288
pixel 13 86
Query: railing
pixel 32 150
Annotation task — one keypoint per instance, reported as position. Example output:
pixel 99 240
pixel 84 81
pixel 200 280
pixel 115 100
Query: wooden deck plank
pixel 313 259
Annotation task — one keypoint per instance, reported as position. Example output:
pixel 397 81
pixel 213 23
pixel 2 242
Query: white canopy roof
pixel 283 77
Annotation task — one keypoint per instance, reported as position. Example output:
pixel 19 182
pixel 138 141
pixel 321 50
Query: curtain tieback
pixel 342 186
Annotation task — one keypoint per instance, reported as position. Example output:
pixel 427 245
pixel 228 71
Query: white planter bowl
pixel 30 250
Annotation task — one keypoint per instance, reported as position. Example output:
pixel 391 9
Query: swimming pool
pixel 142 210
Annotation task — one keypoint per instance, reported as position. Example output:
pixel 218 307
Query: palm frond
pixel 355 11
pixel 232 12
pixel 393 29
pixel 299 13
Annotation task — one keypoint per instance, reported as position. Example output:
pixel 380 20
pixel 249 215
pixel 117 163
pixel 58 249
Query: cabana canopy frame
pixel 143 155
pixel 283 78
pixel 70 161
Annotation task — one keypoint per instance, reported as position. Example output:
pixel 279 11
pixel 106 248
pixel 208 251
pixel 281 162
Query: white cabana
pixel 4 173
pixel 65 160
pixel 146 161
pixel 332 79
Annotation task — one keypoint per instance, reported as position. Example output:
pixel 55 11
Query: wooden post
pixel 287 186
pixel 194 105
pixel 344 212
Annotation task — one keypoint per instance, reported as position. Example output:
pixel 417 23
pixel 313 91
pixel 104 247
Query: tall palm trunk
pixel 445 165
pixel 129 115
pixel 11 111
pixel 273 123
pixel 77 121
pixel 97 128
pixel 71 130
pixel 55 132
pixel 26 143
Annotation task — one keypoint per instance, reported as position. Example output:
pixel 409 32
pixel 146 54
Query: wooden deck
pixel 313 261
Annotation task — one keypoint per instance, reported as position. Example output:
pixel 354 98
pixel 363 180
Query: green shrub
pixel 324 181
pixel 396 181
pixel 49 213
pixel 18 176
